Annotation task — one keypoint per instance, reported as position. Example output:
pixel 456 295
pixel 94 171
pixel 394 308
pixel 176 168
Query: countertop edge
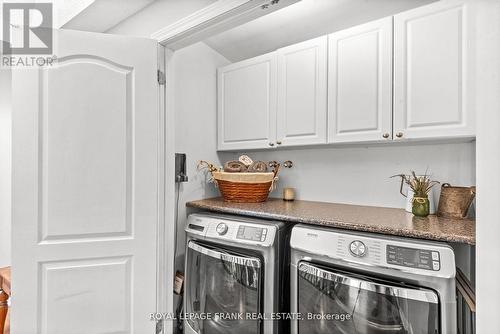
pixel 336 224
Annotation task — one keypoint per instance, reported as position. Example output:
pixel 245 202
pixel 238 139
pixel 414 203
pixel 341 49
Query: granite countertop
pixel 351 217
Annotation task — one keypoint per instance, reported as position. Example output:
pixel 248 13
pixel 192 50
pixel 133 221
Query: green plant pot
pixel 420 206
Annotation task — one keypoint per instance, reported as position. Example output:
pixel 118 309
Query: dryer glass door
pixel 222 288
pixel 334 302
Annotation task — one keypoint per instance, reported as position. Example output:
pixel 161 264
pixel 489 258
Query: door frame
pixel 161 242
pixel 220 16
pixel 167 228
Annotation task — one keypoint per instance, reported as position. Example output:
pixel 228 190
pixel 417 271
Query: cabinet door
pixel 360 83
pixel 302 96
pixel 246 111
pixel 431 73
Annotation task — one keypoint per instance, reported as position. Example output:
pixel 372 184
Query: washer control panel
pixel 413 257
pixel 247 232
pixel 221 228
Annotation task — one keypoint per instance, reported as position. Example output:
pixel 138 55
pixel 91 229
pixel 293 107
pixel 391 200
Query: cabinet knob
pixel 271 144
pixel 278 142
pixel 385 135
pixel 399 134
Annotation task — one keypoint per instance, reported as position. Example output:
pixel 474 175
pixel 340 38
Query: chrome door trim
pixel 422 295
pixel 241 260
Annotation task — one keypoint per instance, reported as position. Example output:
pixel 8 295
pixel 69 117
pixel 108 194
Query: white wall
pixel 487 61
pixel 361 175
pixel 193 99
pixel 195 121
pixel 5 166
pixel 156 16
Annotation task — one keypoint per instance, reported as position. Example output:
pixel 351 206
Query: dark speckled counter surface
pixel 351 217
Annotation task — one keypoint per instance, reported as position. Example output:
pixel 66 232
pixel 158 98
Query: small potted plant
pixel 420 185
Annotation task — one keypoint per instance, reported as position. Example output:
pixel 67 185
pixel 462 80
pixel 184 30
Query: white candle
pixel 288 194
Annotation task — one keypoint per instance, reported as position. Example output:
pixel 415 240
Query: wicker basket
pixel 244 187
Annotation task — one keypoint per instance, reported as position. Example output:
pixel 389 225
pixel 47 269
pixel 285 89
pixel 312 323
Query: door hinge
pixel 161 77
pixel 159 326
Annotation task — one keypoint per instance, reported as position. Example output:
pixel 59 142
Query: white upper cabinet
pixel 302 93
pixel 246 110
pixel 431 72
pixel 360 83
pixel 402 77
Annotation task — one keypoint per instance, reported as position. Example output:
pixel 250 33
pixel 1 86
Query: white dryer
pixel 364 283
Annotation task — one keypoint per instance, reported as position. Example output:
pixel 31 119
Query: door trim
pixel 167 234
pixel 220 16
pixel 162 273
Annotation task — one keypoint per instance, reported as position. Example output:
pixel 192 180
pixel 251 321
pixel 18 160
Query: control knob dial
pixel 221 228
pixel 357 248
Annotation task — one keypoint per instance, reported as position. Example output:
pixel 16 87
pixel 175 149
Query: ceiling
pixel 302 21
pixel 65 10
pixel 101 15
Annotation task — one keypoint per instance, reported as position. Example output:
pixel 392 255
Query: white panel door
pixel 360 83
pixel 85 188
pixel 246 104
pixel 302 81
pixel 431 73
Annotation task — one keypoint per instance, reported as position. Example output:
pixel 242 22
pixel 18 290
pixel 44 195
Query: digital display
pixel 412 257
pixel 251 233
pixel 196 227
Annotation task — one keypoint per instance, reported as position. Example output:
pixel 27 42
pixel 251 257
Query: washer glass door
pixel 335 302
pixel 222 288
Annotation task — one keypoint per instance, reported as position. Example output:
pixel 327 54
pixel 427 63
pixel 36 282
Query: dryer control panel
pixel 413 257
pixel 375 252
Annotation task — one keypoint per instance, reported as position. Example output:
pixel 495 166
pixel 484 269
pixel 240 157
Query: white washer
pixel 364 283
